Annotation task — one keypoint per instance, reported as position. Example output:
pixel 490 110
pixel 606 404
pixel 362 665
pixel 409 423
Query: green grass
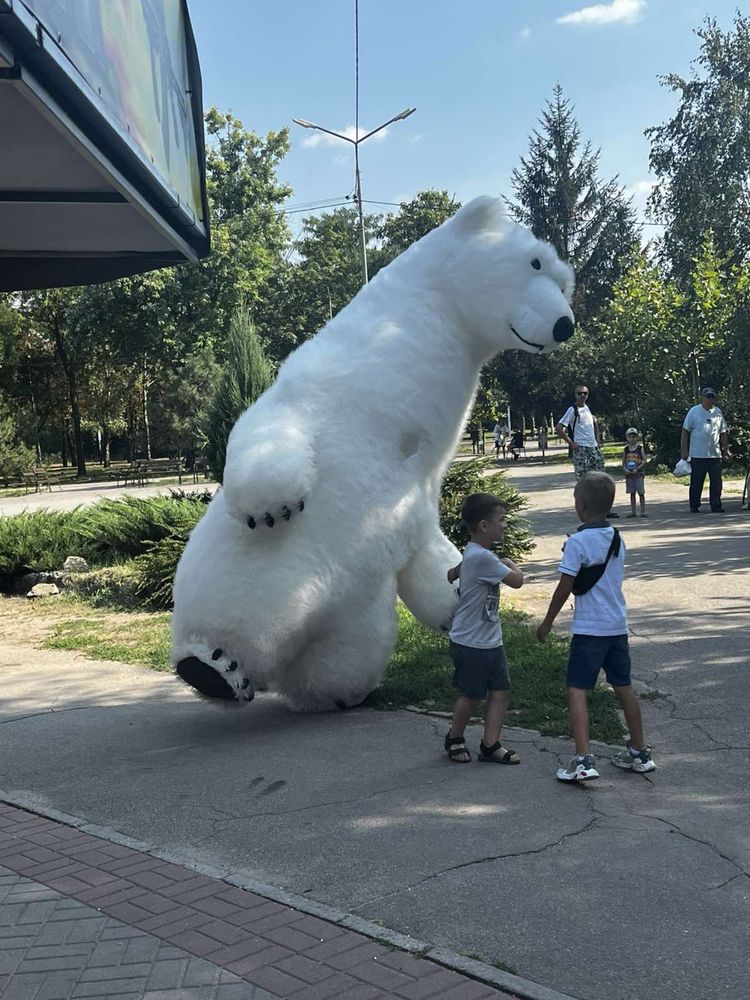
pixel 140 639
pixel 420 674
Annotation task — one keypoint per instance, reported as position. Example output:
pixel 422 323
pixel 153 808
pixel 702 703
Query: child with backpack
pixel 592 568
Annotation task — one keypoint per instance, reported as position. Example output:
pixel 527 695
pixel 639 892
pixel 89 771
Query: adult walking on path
pixel 706 429
pixel 579 428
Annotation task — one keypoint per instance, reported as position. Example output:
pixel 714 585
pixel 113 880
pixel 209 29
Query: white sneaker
pixel 640 762
pixel 579 769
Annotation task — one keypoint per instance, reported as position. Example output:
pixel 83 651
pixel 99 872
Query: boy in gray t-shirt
pixel 480 667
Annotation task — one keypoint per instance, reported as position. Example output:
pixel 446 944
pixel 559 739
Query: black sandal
pixel 458 752
pixel 487 754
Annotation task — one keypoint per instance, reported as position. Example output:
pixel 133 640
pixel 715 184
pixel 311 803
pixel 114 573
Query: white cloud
pixel 615 12
pixel 524 33
pixel 416 138
pixel 324 139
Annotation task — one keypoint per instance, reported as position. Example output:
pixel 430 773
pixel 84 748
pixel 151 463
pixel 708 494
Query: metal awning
pixel 102 164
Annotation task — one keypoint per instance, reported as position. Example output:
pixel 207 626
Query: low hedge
pixel 149 534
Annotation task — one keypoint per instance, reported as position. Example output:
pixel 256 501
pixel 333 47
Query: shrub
pixel 37 541
pixel 155 569
pixel 464 478
pixel 105 532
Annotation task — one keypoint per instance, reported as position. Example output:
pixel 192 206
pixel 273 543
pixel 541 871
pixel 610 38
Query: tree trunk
pixel 696 373
pixel 131 430
pixel 75 412
pixel 64 446
pixel 146 426
pixel 106 442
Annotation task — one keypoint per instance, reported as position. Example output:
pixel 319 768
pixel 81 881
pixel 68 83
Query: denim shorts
pixel 477 671
pixel 591 653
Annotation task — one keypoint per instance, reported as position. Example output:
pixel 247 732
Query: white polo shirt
pixel 705 427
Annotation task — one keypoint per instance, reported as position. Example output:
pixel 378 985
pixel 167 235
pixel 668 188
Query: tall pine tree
pixel 702 154
pixel 561 198
pixel 246 374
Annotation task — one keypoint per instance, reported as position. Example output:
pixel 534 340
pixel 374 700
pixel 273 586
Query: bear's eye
pixel 536 264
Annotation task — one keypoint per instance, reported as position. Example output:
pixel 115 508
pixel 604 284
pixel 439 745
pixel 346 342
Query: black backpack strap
pixel 588 576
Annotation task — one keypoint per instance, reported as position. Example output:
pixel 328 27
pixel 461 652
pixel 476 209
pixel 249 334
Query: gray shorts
pixel 635 484
pixel 477 671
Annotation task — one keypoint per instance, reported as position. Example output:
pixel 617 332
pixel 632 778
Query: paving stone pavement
pixel 81 917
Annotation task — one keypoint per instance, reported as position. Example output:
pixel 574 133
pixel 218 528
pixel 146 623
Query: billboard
pixel 110 91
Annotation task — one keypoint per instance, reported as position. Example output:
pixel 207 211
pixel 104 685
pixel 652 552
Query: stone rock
pixel 75 564
pixel 43 590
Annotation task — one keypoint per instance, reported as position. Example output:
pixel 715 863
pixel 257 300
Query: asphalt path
pixel 76 494
pixel 630 886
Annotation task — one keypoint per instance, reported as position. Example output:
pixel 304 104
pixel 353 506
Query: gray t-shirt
pixel 476 622
pixel 705 427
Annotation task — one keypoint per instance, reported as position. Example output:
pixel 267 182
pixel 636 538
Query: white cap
pixel 632 430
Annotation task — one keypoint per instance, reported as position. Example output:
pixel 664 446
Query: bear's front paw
pixel 283 513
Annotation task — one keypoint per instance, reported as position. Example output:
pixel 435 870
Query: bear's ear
pixel 483 214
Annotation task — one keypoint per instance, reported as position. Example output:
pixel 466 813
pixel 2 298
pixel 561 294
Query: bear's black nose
pixel 563 329
pixel 204 679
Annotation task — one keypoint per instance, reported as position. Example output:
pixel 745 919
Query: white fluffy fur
pixel 361 424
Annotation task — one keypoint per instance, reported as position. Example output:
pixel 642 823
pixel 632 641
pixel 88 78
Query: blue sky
pixel 478 72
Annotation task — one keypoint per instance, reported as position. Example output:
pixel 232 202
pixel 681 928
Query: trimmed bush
pixel 103 533
pixel 464 478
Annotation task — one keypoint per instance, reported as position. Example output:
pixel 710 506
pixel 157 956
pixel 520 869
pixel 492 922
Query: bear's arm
pixel 270 469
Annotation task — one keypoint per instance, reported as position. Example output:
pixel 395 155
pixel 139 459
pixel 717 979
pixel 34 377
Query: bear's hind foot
pixel 219 680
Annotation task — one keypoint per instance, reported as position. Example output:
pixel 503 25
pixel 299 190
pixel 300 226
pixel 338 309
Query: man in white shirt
pixel 579 428
pixel 706 428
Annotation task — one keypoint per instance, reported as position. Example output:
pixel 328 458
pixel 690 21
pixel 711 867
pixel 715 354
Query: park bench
pixel 167 466
pixel 44 479
pixel 11 480
pixel 136 474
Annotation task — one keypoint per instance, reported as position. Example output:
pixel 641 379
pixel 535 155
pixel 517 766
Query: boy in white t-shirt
pixel 600 627
pixel 480 666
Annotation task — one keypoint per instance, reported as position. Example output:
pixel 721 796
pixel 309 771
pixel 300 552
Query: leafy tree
pixel 325 276
pixel 49 314
pixel 414 219
pixel 15 457
pixel 702 154
pixel 249 234
pixel 246 374
pixel 560 197
pixel 664 342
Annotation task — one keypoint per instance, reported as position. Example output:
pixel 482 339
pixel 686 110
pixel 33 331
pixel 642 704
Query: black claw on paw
pixel 216 654
pixel 232 666
pixel 301 505
pixel 251 522
pixel 285 512
pixel 269 520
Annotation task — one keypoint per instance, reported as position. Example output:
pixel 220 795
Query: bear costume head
pixel 329 509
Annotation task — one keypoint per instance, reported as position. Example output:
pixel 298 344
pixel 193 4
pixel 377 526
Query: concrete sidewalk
pixel 630 887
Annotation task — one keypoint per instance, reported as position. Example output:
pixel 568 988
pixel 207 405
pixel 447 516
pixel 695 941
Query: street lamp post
pixel 357 181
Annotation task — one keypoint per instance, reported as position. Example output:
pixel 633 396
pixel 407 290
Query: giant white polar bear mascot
pixel 330 500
